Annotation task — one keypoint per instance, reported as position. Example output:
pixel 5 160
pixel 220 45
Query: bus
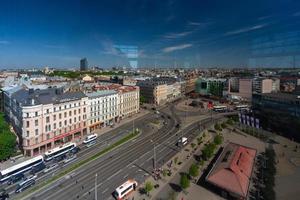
pixel 20 168
pixel 90 138
pixel 59 151
pixel 220 108
pixel 124 189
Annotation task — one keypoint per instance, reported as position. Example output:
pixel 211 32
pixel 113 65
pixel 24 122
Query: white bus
pixel 90 138
pixel 20 168
pixel 58 151
pixel 124 189
pixel 220 108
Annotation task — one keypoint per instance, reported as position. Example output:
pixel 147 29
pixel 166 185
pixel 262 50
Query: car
pixel 50 168
pixel 75 150
pixel 24 185
pixel 69 159
pixel 3 194
pixel 33 176
pixel 15 178
pixel 37 168
pixel 59 158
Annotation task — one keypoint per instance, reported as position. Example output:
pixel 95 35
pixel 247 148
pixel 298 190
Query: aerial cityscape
pixel 149 100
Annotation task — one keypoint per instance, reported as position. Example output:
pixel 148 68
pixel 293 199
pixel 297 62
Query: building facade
pixel 102 109
pixel 83 64
pixel 210 86
pixel 44 119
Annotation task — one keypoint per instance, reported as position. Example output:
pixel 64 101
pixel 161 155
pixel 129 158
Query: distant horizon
pixel 150 33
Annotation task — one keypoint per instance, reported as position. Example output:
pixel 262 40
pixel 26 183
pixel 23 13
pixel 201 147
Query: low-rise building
pixel 210 86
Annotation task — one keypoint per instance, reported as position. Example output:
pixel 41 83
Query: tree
pixel 175 160
pixel 148 187
pixel 7 140
pixel 218 139
pixel 208 151
pixel 142 99
pixel 184 181
pixel 218 127
pixel 193 171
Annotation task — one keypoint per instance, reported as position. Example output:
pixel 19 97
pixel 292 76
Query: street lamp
pixel 96 196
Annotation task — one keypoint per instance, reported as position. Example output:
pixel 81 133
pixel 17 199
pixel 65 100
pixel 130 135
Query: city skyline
pixel 166 33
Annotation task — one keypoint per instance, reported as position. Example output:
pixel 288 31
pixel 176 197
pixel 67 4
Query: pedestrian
pixel 76 181
pixel 82 187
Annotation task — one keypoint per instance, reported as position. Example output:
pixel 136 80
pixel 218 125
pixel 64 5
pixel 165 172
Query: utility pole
pixel 96 196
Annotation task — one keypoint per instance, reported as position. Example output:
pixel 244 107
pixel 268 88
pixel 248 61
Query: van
pixel 3 194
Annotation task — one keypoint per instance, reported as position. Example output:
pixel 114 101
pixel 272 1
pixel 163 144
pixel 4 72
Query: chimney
pixel 32 101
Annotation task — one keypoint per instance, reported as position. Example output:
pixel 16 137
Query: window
pixel 65 106
pixel 74 112
pixel 74 119
pixel 79 111
pixel 27 124
pixel 36 122
pixel 84 110
pixel 79 118
pixel 46 128
pixel 70 113
pixel 70 121
pixel 48 136
pixel 59 115
pixel 36 131
pixel 49 127
pixel 65 114
pixel 36 140
pixel 54 117
pixel 28 142
pixel 47 119
pixel 27 133
pixel 65 122
pixel 54 126
pixel 47 111
pixel 59 124
pixel 27 114
pixel 54 109
pixel 36 114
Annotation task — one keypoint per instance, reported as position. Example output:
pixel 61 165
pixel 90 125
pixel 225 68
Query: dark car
pixel 37 168
pixel 3 194
pixel 24 185
pixel 15 178
pixel 59 158
pixel 75 150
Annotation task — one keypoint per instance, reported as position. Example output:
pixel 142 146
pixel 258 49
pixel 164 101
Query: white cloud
pixel 195 23
pixel 245 30
pixel 4 42
pixel 177 35
pixel 175 48
pixel 51 46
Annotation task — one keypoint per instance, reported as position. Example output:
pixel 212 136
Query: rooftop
pixel 233 169
pixel 101 93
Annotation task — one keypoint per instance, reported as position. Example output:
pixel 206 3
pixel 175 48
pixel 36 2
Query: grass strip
pixel 84 162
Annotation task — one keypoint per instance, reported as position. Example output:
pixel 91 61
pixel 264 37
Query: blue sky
pixel 204 33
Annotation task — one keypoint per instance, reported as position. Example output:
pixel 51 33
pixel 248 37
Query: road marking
pixel 126 176
pixel 149 159
pixel 105 190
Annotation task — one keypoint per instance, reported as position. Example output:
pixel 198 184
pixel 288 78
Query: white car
pixel 31 177
pixel 50 168
pixel 69 159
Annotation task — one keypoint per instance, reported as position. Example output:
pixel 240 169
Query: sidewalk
pixel 169 184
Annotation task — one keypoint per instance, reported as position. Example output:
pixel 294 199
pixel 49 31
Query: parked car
pixel 75 150
pixel 50 168
pixel 15 178
pixel 59 158
pixel 3 194
pixel 24 185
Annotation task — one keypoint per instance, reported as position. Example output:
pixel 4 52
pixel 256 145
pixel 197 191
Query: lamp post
pixel 96 196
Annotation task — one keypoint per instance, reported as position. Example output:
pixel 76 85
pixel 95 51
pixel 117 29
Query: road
pixel 131 160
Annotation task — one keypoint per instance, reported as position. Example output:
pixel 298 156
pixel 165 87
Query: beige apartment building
pixel 44 119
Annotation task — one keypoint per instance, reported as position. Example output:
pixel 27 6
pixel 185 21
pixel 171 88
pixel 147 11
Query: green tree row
pixel 7 140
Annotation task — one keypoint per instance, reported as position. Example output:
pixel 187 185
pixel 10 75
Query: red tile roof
pixel 233 169
pixel 116 87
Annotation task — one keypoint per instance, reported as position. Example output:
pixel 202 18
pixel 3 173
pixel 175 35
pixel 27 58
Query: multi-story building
pixel 279 112
pixel 128 98
pixel 159 91
pixel 103 108
pixel 240 87
pixel 83 64
pixel 210 86
pixel 44 119
pixel 262 85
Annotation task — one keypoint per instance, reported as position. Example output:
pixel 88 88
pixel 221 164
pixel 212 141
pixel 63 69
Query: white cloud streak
pixel 176 48
pixel 245 30
pixel 177 35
